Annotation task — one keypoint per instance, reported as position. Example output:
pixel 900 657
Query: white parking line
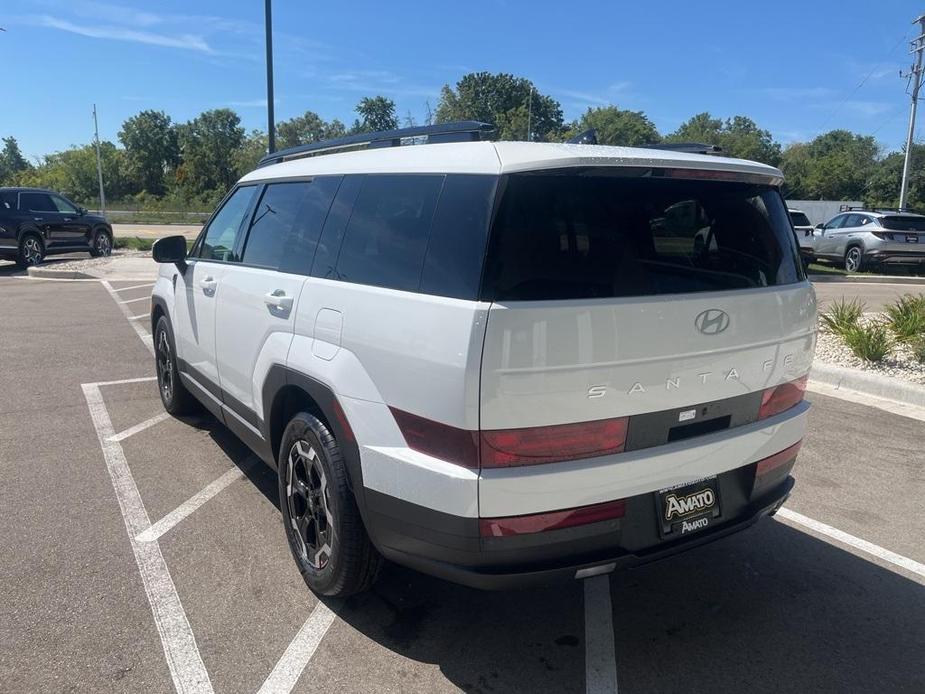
pixel 135 286
pixel 187 670
pixel 145 338
pixel 123 381
pixel 857 543
pixel 148 423
pixel 140 316
pixel 600 657
pixel 154 531
pixel 134 301
pixel 289 668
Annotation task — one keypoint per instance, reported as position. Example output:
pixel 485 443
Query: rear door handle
pixel 208 283
pixel 278 299
pixel 39 219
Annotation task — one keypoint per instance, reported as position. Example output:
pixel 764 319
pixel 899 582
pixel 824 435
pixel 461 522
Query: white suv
pixel 496 362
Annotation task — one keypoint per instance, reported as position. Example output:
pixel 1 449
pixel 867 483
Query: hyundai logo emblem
pixel 712 321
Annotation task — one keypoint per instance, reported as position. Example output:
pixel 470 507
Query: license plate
pixel 688 508
pixel 912 238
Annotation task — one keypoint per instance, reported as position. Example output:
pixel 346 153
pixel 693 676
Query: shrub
pixel 869 342
pixel 843 316
pixel 906 317
pixel 132 243
pixel 918 348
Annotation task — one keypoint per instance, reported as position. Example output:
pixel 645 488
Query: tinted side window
pixel 333 233
pixel 302 242
pixel 220 237
pixel 453 264
pixel 36 202
pixel 387 234
pixel 835 222
pixel 274 217
pixel 63 205
pixel 7 201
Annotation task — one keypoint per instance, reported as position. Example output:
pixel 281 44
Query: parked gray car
pixel 861 239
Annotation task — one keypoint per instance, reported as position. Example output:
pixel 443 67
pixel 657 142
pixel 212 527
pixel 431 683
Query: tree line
pixel 162 163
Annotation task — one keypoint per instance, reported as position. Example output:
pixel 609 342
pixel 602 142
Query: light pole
pixel 918 45
pixel 99 163
pixel 271 120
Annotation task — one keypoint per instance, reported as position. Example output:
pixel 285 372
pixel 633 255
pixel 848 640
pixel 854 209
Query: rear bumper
pixel 897 257
pixel 451 548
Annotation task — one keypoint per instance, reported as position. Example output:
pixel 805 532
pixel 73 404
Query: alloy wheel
pixel 853 259
pixel 164 366
pixel 32 251
pixel 103 244
pixel 308 503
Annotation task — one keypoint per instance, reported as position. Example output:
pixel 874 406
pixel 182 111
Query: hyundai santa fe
pixel 500 363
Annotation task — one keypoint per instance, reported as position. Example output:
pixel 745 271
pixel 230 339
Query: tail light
pixel 884 235
pixel 550 444
pixel 780 398
pixel 510 447
pixel 766 465
pixel 554 520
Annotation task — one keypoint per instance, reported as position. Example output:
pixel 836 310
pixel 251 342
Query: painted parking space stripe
pixel 145 338
pixel 289 668
pixel 180 649
pixel 792 517
pixel 134 286
pixel 147 424
pixel 185 509
pixel 600 657
pixel 134 301
pixel 140 316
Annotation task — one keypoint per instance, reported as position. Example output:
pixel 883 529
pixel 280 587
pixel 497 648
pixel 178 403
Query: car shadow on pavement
pixel 772 609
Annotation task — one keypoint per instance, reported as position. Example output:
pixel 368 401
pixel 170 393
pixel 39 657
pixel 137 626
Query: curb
pixel 874 385
pixel 867 279
pixel 59 274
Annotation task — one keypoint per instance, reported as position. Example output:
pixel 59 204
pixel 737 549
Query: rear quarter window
pixel 593 234
pixel 898 223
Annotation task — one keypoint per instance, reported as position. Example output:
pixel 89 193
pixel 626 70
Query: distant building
pixel 822 210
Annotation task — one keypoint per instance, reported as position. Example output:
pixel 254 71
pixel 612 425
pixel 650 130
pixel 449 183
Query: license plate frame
pixel 688 508
pixel 912 238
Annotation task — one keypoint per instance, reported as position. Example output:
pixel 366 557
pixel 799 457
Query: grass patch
pixel 869 342
pixel 906 317
pixel 132 243
pixel 842 316
pixel 821 269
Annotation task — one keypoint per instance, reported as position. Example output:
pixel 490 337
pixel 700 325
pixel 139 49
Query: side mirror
pixel 81 211
pixel 170 249
pixel 820 225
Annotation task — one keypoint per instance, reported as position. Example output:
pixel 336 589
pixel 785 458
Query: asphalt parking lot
pixel 145 553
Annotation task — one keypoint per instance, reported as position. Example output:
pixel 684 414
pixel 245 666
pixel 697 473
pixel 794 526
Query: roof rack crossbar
pixel 688 147
pixel 457 131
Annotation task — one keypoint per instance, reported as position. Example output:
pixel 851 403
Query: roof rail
pixel 457 131
pixel 865 208
pixel 689 147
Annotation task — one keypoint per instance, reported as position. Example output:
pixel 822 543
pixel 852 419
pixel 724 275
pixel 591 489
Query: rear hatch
pixel 904 232
pixel 616 295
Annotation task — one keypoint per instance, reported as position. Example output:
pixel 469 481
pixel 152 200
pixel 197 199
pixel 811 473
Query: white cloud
pixel 796 93
pixel 117 33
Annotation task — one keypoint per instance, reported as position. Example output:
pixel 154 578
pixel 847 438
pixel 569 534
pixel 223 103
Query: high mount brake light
pixel 781 398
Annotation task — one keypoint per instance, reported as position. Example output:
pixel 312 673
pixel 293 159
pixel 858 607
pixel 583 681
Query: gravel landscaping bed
pixel 89 263
pixel 900 364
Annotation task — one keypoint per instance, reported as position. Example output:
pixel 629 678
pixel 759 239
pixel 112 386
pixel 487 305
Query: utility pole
pixel 271 120
pixel 918 46
pixel 99 163
pixel 529 112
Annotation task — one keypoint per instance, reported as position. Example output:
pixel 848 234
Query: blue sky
pixel 797 68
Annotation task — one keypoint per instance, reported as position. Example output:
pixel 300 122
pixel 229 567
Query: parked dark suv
pixel 36 222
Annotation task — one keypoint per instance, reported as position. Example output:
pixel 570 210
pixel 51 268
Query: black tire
pixel 320 516
pixel 31 250
pixel 101 243
pixel 854 259
pixel 176 398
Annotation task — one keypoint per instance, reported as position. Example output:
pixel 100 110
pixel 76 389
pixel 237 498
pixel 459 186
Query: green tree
pixel 883 188
pixel 151 149
pixel 251 151
pixel 616 126
pixel 505 101
pixel 837 165
pixel 376 113
pixel 307 128
pixel 738 136
pixel 12 161
pixel 73 173
pixel 208 149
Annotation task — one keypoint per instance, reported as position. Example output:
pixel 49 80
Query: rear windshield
pixel 800 220
pixel 900 223
pixel 593 235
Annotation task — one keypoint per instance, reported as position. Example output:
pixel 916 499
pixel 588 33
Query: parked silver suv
pixel 861 238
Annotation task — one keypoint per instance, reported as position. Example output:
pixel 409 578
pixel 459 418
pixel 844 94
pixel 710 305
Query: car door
pixel 257 304
pixel 74 228
pixel 825 243
pixel 41 211
pixel 847 230
pixel 198 286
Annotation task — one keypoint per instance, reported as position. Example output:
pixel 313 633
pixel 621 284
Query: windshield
pixel 903 223
pixel 800 220
pixel 594 235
